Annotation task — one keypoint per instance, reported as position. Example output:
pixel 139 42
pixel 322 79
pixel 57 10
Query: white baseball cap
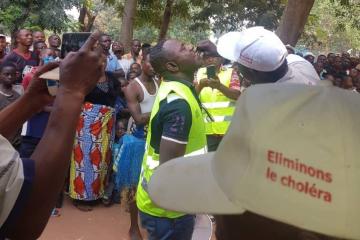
pixel 288 155
pixel 255 48
pixel 309 54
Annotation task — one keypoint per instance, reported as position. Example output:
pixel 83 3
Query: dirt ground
pixel 105 223
pixel 108 223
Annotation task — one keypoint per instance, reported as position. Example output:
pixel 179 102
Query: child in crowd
pixel 8 95
pixel 112 194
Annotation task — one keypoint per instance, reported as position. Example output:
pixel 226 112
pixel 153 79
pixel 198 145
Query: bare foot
pixel 135 234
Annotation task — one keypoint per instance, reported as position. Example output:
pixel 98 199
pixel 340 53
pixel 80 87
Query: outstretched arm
pixel 52 155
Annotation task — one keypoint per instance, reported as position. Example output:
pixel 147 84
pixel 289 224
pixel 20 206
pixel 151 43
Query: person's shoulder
pixel 10 57
pixel 133 87
pixel 9 156
pixel 15 183
pixel 174 102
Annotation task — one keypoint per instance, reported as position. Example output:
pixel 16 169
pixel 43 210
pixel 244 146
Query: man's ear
pixel 172 67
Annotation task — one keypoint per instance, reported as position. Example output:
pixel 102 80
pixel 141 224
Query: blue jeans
pixel 159 228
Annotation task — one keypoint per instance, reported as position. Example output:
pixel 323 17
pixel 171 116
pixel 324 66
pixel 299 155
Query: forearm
pixel 141 119
pixel 228 92
pixel 14 116
pixel 52 157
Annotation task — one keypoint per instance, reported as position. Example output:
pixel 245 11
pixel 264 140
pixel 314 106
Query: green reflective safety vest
pixel 219 106
pixel 196 145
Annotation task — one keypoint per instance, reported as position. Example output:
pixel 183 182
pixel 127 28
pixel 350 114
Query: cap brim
pixel 227 45
pixel 54 74
pixel 188 185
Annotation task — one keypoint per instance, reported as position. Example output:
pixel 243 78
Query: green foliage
pixel 148 20
pixel 233 15
pixel 200 16
pixel 333 25
pixel 41 14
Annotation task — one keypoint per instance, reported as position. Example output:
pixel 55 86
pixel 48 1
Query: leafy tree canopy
pixel 333 25
pixel 35 14
pixel 218 16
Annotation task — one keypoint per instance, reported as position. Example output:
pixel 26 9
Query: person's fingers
pixel 90 42
pixel 99 53
pixel 46 68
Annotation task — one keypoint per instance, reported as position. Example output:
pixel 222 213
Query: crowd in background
pixel 342 69
pixel 105 162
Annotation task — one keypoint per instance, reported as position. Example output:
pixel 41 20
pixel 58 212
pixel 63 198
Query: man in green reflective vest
pixel 176 129
pixel 218 94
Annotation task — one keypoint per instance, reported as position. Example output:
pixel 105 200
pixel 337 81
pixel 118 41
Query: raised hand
pixel 80 71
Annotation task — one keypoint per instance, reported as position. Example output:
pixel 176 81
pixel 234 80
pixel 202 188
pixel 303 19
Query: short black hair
pixel 17 33
pixel 53 35
pixel 158 57
pixel 146 45
pixel 135 63
pixel 7 64
pixel 279 72
pixel 37 42
pixel 2 37
pixel 104 35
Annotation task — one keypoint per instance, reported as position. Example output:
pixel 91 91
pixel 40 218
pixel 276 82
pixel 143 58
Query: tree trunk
pixel 166 20
pixel 127 25
pixel 293 20
pixel 82 16
pixel 90 21
pixel 86 19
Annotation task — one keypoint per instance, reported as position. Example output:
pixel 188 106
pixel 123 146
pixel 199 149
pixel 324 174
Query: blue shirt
pixel 112 63
pixel 37 124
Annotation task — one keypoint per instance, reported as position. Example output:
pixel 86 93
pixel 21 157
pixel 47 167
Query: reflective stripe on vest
pixel 220 107
pixel 196 145
pixel 212 105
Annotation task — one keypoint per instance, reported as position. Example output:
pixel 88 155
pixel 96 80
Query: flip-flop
pixel 55 213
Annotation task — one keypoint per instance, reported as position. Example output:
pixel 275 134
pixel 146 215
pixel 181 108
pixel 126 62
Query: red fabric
pixel 27 78
pixel 235 81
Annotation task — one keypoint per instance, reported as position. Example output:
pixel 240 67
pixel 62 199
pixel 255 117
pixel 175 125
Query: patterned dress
pixel 92 150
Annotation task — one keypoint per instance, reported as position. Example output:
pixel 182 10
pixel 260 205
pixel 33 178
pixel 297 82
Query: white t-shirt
pixel 16 176
pixel 125 65
pixel 300 71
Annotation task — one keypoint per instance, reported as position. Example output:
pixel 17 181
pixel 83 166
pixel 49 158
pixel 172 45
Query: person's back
pixel 302 71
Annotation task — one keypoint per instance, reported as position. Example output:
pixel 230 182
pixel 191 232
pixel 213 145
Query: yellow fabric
pixel 196 143
pixel 219 106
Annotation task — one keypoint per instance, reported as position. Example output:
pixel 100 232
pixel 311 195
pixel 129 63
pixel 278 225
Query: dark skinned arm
pixel 200 85
pixel 131 95
pixel 228 92
pixel 52 155
pixel 170 150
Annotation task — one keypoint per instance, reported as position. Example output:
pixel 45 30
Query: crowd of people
pixel 141 109
pixel 342 69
